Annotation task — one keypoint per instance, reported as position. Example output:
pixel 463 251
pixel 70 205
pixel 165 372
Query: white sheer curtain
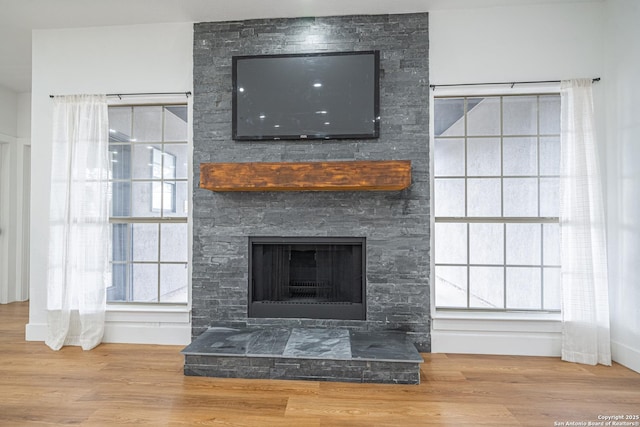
pixel 79 241
pixel 585 301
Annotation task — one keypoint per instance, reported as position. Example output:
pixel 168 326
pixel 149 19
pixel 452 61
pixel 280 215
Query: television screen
pixel 306 96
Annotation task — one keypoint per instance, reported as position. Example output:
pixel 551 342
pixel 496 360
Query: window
pixel 496 198
pixel 149 190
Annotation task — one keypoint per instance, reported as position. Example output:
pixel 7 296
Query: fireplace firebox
pixel 299 277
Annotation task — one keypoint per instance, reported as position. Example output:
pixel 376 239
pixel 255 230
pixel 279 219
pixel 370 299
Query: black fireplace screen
pixel 307 277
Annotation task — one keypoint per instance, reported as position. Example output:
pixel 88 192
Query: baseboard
pixel 490 333
pixel 155 333
pixel 625 355
pixel 503 343
pixel 35 332
pixel 160 334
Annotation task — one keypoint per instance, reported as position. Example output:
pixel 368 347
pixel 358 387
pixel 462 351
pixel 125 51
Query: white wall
pixel 23 126
pixel 623 179
pixel 23 196
pixel 8 133
pixel 12 145
pixel 522 43
pixel 519 43
pixel 6 147
pixel 8 112
pixel 124 59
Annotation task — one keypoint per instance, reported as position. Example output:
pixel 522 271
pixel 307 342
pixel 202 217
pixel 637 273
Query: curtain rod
pixel 120 95
pixel 595 79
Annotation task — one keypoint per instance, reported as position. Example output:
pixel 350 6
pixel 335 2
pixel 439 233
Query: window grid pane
pixel 517 268
pixel 149 182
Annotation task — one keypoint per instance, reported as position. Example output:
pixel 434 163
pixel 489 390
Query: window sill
pixel 453 314
pixel 157 313
pixel 477 321
pixel 114 306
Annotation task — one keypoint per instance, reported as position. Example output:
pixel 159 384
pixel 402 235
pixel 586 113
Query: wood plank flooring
pixel 139 385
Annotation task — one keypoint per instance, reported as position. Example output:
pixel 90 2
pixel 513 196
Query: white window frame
pixel 167 201
pixel 466 314
pixel 136 311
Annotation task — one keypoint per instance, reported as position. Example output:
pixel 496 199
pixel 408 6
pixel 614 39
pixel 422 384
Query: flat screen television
pixel 306 96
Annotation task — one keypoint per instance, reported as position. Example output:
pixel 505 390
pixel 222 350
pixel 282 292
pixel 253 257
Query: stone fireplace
pixel 316 259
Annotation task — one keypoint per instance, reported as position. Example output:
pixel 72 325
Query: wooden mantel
pixel 377 175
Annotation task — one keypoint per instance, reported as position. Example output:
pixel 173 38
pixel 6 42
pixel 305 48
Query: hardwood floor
pixel 118 384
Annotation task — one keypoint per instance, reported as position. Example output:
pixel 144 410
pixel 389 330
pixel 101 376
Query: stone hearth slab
pixel 304 353
pixel 318 343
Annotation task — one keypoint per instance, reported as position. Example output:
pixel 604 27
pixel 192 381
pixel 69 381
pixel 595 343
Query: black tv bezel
pixel 376 99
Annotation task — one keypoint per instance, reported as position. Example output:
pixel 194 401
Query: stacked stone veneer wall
pixel 395 224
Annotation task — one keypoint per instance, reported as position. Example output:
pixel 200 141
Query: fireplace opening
pixel 317 277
